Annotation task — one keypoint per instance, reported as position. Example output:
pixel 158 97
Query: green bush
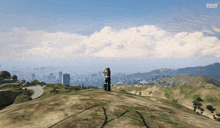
pixel 77 88
pixel 54 91
pixel 196 103
pixel 71 88
pixel 199 99
pixel 209 107
pixel 18 88
pixel 42 83
pixel 217 114
pixel 195 107
pixel 22 98
pixel 59 84
pixel 217 119
pixel 174 100
pixel 27 84
pixel 56 87
pixel 197 113
pixel 26 92
pixel 35 82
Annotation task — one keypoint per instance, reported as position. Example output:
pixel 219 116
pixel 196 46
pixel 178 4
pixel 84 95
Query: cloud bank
pixel 146 41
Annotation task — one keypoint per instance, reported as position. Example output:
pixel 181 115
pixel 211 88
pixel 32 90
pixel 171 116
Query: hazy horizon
pixel 129 37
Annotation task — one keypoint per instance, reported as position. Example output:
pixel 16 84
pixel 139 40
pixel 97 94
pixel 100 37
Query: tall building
pixel 60 75
pixel 33 76
pixel 66 79
pixel 51 77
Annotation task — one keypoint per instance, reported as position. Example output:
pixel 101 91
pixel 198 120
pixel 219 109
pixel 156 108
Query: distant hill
pixel 191 80
pixel 211 71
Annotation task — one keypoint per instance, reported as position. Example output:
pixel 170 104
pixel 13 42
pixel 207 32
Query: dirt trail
pixel 100 109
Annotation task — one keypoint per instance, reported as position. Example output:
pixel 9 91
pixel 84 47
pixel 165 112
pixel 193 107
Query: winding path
pixel 38 91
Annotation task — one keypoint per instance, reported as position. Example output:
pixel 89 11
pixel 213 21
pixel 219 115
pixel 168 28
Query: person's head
pixel 108 69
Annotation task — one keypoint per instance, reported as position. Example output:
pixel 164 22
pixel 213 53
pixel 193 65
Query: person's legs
pixel 109 84
pixel 105 84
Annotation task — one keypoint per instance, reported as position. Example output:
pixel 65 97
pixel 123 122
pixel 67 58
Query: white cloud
pixel 215 29
pixel 138 42
pixel 209 32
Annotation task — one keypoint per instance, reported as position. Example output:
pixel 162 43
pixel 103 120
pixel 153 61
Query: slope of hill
pixel 187 88
pixel 98 108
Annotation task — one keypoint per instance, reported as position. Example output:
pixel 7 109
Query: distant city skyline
pixel 84 37
pixel 97 79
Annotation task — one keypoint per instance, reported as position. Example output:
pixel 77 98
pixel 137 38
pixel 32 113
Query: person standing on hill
pixel 107 83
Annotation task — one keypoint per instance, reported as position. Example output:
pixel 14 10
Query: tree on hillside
pixel 210 108
pixel 197 104
pixel 54 91
pixel 35 82
pixel 22 98
pixel 42 83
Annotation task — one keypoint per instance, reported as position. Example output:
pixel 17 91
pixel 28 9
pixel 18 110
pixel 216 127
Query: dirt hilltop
pixel 95 108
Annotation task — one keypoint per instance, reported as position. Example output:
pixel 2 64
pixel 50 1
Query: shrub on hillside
pixel 210 108
pixel 217 119
pixel 35 82
pixel 54 90
pixel 197 103
pixel 199 99
pixel 197 113
pixel 71 88
pixel 56 87
pixel 22 98
pixel 27 84
pixel 202 110
pixel 42 83
pixel 59 84
pixel 175 101
pixel 26 92
pixel 217 114
pixel 18 88
pixel 51 85
pixel 77 88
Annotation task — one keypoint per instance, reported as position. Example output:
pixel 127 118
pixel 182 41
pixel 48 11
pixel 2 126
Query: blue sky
pixel 129 36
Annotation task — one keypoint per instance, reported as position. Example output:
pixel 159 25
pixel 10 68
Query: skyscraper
pixel 66 79
pixel 33 76
pixel 60 75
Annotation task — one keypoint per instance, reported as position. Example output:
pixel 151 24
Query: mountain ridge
pixel 211 71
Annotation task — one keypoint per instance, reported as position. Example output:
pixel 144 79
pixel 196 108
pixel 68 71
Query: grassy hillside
pixel 183 95
pixel 191 80
pixel 125 106
pixel 97 108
